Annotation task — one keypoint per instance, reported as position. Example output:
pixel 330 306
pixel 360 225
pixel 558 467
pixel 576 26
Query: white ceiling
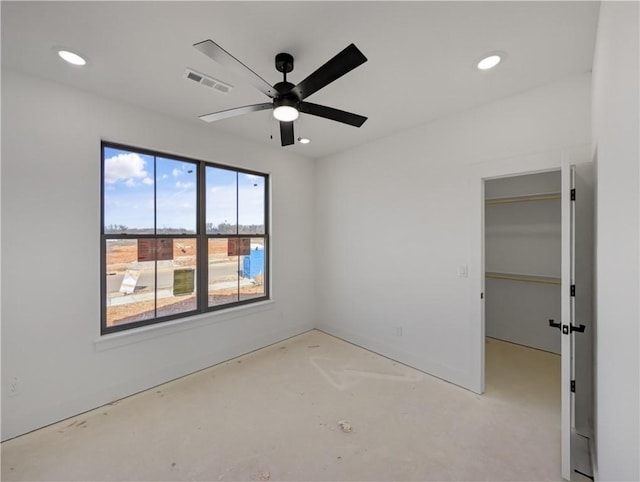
pixel 421 55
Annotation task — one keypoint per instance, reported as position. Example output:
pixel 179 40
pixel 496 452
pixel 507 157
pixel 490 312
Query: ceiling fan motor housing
pixel 285 96
pixel 287 100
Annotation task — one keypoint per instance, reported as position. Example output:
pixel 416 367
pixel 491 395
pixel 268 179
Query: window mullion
pixel 238 235
pixel 203 242
pixel 155 231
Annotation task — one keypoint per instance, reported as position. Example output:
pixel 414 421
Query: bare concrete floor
pixel 273 415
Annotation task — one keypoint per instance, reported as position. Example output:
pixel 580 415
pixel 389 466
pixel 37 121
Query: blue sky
pixel 130 179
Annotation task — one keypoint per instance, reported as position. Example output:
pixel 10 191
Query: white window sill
pixel 137 335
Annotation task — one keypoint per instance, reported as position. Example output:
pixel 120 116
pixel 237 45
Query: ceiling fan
pixel 288 99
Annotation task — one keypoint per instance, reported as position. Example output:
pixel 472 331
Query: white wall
pixel 616 125
pixel 51 251
pixel 396 218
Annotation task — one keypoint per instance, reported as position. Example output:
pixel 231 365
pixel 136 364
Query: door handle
pixel 566 329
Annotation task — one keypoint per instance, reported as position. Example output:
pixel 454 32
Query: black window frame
pixel 201 236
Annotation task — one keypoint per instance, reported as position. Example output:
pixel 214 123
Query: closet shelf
pixel 546 196
pixel 528 278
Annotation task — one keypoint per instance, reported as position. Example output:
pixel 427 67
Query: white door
pixel 576 260
pixel 567 363
pixel 583 302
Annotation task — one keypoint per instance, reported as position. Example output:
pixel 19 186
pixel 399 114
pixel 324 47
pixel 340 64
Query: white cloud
pixel 131 182
pixel 184 185
pixel 177 172
pixel 127 167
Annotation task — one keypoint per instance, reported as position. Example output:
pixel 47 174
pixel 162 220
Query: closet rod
pixel 529 279
pixel 550 196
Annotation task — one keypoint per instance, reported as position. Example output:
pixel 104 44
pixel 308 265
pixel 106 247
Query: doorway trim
pixel 479 173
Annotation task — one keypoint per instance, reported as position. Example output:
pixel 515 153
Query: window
pixel 179 237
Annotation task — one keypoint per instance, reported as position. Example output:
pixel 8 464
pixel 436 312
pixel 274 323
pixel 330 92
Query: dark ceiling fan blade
pixel 220 55
pixel 286 133
pixel 331 113
pixel 344 62
pixel 224 114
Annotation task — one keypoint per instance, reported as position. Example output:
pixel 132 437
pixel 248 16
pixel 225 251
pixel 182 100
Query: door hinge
pixel 573 386
pixel 573 194
pixel 482 296
pixel 573 290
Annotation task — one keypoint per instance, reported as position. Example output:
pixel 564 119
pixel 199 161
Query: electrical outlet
pixel 399 331
pixel 13 388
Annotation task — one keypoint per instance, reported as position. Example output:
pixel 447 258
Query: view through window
pixel 179 237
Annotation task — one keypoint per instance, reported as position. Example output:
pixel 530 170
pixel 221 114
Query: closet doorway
pixel 536 306
pixel 523 260
pixel 522 252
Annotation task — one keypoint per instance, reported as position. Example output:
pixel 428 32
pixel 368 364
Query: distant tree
pixel 227 228
pixel 251 228
pixel 116 228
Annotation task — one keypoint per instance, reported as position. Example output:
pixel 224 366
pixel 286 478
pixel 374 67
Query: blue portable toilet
pixel 253 263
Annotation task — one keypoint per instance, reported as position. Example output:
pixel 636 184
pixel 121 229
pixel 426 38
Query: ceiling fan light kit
pixel 285 110
pixel 287 98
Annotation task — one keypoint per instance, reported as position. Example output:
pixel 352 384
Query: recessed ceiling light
pixel 303 140
pixel 71 57
pixel 490 61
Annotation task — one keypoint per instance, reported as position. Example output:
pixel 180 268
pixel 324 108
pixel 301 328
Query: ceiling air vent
pixel 207 81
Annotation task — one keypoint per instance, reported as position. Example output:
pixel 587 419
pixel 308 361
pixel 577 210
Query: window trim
pixel 201 236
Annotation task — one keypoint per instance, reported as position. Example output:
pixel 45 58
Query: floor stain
pixel 345 426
